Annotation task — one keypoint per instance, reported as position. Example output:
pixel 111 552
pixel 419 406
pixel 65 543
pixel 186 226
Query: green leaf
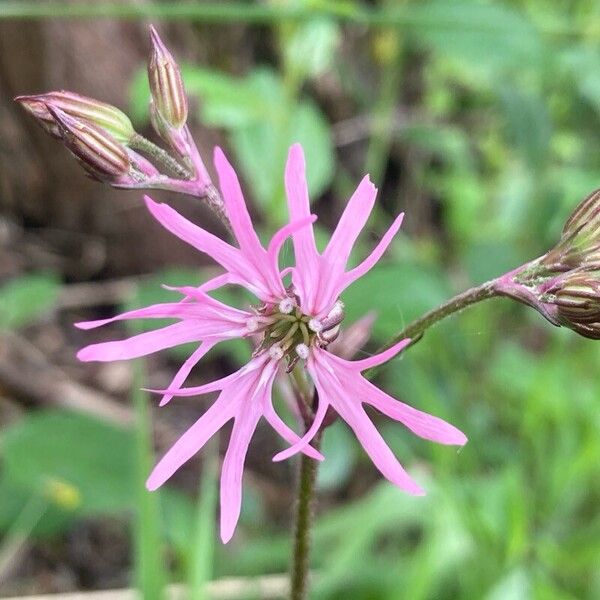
pixel 264 169
pixel 529 125
pixel 27 298
pixel 232 102
pixel 14 497
pixel 311 49
pixel 60 447
pixel 404 291
pixel 339 450
pixel 475 33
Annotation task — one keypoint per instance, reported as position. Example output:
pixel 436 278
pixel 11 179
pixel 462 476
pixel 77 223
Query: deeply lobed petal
pixel 320 279
pixel 333 385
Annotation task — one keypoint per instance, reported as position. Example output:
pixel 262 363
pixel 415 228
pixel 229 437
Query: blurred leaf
pixel 93 457
pixel 475 33
pixel 13 497
pixel 529 125
pixel 486 260
pixel 405 291
pixel 310 51
pixel 308 127
pixel 231 102
pixel 27 298
pixel 515 586
pixel 338 448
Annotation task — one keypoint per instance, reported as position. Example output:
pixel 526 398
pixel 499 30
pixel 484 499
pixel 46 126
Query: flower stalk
pixel 305 507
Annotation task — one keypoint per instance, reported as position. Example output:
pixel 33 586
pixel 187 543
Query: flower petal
pixel 143 344
pixel 376 359
pixel 421 423
pixel 168 310
pixel 332 384
pixel 376 448
pixel 288 434
pixel 226 255
pixel 302 444
pixel 233 464
pixel 366 265
pixel 186 368
pixel 218 384
pixel 305 249
pixel 194 438
pixel 350 225
pixel 237 210
pixel 280 236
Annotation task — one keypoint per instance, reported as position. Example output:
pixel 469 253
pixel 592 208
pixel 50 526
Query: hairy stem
pixel 139 142
pixel 304 517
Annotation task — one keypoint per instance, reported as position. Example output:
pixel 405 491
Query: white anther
pixel 302 351
pixel 286 306
pixel 252 324
pixel 275 352
pixel 315 325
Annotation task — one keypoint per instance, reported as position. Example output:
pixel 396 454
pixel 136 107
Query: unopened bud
pixel 101 155
pixel 580 242
pixel 166 85
pixel 586 210
pixel 105 116
pixel 577 298
pixel 334 317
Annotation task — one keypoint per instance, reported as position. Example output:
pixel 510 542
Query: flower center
pixel 288 333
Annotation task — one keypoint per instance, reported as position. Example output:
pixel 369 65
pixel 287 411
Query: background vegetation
pixel 481 121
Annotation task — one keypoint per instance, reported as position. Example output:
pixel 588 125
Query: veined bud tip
pixel 166 84
pixel 102 115
pixel 577 298
pixel 580 240
pixel 102 156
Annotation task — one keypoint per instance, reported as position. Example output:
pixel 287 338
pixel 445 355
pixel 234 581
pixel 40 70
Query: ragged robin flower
pixel 293 323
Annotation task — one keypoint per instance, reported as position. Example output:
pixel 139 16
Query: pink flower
pixel 294 324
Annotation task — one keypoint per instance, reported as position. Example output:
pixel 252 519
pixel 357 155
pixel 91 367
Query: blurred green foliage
pixel 494 149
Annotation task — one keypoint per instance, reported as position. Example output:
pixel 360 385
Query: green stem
pixel 139 142
pixel 150 575
pixel 304 517
pixel 20 531
pixel 203 548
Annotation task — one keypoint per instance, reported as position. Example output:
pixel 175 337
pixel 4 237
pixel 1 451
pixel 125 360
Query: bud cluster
pixel 564 284
pixel 104 142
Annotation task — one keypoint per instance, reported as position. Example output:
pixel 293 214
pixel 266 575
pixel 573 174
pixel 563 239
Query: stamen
pixel 286 306
pixel 252 324
pixel 315 325
pixel 302 351
pixel 275 352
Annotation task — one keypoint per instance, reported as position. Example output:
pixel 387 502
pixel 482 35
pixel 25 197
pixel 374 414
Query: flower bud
pixel 168 94
pixel 580 241
pixel 102 115
pixel 577 297
pixel 100 154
